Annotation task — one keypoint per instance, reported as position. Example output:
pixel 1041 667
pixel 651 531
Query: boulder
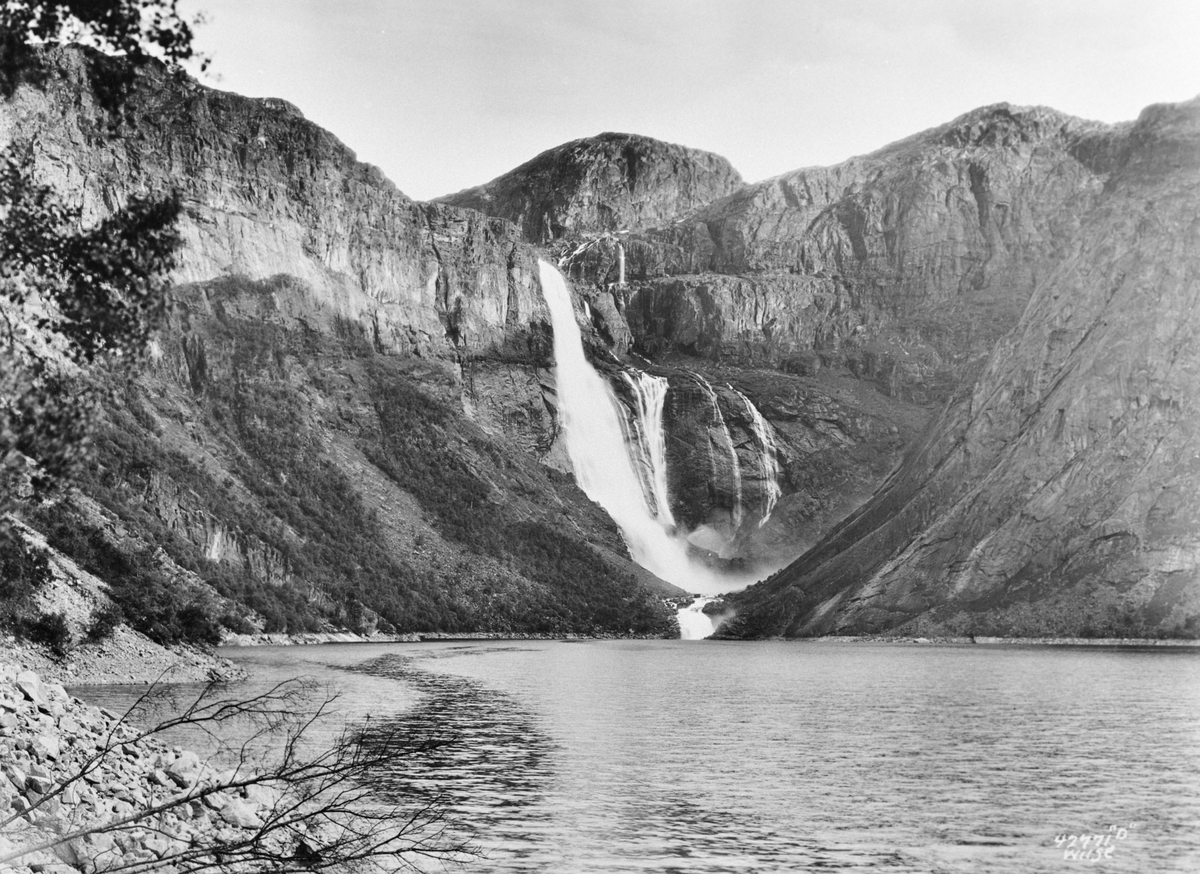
pixel 217 800
pixel 40 785
pixel 31 686
pixel 47 746
pixel 16 777
pixel 184 770
pixel 238 812
pixel 162 846
pixel 69 853
pixel 261 794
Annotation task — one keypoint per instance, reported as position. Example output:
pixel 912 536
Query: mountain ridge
pixel 607 182
pixel 336 344
pixel 1076 517
pixel 314 305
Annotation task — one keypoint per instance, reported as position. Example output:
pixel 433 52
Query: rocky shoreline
pixel 130 658
pixel 73 777
pixel 314 638
pixel 125 657
pixel 309 639
pixel 77 782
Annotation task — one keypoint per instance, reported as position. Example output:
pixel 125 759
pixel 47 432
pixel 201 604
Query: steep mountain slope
pixel 903 266
pixel 1059 494
pixel 311 478
pixel 349 420
pixel 298 440
pixel 267 192
pixel 893 273
pixel 603 183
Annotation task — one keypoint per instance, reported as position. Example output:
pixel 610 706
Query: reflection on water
pixel 664 756
pixel 473 749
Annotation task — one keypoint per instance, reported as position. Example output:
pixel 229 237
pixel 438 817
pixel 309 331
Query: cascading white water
pixel 694 623
pixel 591 417
pixel 648 438
pixel 769 455
pixel 591 420
pixel 735 465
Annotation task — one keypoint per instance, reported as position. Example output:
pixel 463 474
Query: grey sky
pixel 445 94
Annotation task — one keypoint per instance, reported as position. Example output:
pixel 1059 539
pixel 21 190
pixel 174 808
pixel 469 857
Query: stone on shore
pixel 48 788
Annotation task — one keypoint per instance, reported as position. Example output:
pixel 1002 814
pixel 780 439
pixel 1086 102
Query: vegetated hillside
pixel 608 182
pixel 269 195
pixel 356 388
pixel 1060 495
pixel 323 484
pixel 300 441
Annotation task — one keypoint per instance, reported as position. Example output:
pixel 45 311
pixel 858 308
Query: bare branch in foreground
pixel 105 796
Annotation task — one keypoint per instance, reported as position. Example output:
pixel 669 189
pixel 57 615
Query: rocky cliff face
pixel 905 265
pixel 1058 495
pixel 351 413
pixel 267 192
pixel 757 493
pixel 303 438
pixel 605 183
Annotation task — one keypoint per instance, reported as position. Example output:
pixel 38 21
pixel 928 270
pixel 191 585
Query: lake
pixel 707 756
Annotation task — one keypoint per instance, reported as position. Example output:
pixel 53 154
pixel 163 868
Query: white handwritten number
pixel 1091 848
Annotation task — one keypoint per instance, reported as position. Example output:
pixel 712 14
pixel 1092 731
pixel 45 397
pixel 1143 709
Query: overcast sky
pixel 445 94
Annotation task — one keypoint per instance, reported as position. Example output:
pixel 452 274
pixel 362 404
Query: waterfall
pixel 769 455
pixel 735 465
pixel 594 431
pixel 694 623
pixel 648 438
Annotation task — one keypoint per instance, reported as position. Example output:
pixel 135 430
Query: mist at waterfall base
pixel 598 441
pixel 694 623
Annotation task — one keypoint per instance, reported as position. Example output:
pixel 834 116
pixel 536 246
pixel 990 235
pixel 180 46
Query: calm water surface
pixel 679 756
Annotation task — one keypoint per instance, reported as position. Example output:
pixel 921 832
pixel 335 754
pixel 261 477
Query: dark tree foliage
pixel 23 571
pixel 72 295
pixel 68 297
pixel 285 496
pixel 51 630
pixel 104 623
pixel 137 30
pixel 103 284
pixel 421 446
pixel 143 596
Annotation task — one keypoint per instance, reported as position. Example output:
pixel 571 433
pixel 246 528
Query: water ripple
pixel 621 757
